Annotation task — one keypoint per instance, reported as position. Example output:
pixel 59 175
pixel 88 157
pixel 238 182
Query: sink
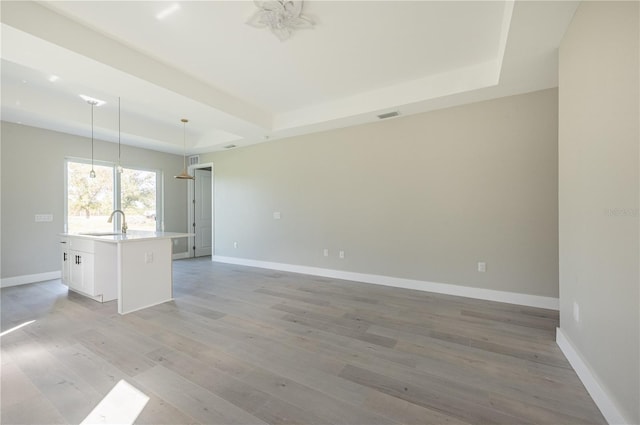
pixel 100 234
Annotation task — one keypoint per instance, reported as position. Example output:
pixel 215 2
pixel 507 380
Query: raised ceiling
pixel 241 85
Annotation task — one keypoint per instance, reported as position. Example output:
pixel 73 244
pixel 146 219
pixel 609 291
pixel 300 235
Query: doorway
pixel 201 211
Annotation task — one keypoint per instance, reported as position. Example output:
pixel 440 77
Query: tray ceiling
pixel 242 85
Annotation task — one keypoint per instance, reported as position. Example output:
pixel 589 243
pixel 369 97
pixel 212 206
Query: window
pixel 89 202
pixel 138 198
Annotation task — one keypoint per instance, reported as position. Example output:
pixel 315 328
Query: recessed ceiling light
pixel 168 11
pixel 92 99
pixel 53 78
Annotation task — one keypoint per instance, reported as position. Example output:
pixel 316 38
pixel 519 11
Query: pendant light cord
pixel 92 105
pixel 184 175
pixel 184 144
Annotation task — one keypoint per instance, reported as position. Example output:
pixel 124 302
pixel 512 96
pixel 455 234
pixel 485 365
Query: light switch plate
pixel 40 218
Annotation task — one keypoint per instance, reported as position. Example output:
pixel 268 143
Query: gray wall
pixel 33 182
pixel 421 197
pixel 599 189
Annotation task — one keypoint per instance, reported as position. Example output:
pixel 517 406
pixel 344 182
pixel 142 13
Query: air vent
pixel 230 146
pixel 389 115
pixel 194 160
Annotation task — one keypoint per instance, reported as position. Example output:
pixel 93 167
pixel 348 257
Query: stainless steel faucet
pixel 124 222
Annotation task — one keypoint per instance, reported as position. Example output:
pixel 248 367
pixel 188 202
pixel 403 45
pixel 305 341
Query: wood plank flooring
pixel 242 345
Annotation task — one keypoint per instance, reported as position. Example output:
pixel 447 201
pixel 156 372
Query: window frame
pixel 117 194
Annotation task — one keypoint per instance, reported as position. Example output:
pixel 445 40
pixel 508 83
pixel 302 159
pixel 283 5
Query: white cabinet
pixel 81 273
pixel 78 268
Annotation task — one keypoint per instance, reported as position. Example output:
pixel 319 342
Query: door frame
pixel 190 195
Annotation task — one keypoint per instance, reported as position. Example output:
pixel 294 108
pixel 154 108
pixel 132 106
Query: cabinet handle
pixel 79 259
pixel 64 256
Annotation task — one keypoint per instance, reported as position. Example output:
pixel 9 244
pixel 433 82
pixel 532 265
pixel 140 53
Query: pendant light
pixel 119 167
pixel 184 175
pixel 93 103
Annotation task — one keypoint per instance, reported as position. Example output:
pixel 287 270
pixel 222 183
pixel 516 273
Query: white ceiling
pixel 241 85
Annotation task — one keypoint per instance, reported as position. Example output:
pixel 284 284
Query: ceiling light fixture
pixel 184 175
pixel 93 103
pixel 92 99
pixel 168 11
pixel 119 167
pixel 281 16
pixel 53 78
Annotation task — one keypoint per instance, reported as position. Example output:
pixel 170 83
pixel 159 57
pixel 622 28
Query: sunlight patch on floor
pixel 8 331
pixel 122 405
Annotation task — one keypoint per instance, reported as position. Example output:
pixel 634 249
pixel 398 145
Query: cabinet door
pixel 81 272
pixel 75 270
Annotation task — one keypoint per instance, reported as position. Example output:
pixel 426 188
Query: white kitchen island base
pixel 145 274
pixel 134 268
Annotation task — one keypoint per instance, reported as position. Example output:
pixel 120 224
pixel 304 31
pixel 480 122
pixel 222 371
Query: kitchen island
pixel 134 268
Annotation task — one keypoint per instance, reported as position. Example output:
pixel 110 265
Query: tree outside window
pixel 138 198
pixel 89 201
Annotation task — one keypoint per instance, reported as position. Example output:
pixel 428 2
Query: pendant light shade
pixel 184 175
pixel 93 103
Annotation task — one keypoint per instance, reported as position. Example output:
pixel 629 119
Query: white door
pixel 202 213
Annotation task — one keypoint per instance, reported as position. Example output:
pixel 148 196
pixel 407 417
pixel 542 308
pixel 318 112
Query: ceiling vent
pixel 194 160
pixel 388 115
pixel 230 146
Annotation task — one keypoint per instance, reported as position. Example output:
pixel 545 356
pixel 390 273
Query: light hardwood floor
pixel 243 345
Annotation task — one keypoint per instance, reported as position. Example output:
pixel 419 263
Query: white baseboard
pixel 180 256
pixel 440 288
pixel 29 278
pixel 599 395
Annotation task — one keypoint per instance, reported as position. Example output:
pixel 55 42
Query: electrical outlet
pixel 235 244
pixel 276 215
pixel 325 252
pixel 148 257
pixel 482 266
pixel 576 312
pixel 341 254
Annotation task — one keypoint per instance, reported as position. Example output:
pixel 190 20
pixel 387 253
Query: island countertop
pixel 135 235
